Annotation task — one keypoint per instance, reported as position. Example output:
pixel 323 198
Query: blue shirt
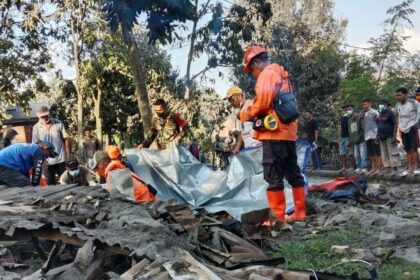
pixel 21 157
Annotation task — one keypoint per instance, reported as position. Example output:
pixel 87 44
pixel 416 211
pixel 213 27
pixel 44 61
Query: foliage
pixel 23 50
pixel 63 106
pixel 358 81
pixel 219 33
pixel 388 48
pixel 222 38
pixel 161 16
pixel 159 73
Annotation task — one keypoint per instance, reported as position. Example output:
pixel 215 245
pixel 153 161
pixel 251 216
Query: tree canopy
pixel 120 50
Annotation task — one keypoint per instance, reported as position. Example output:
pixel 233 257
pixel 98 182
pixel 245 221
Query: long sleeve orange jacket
pixel 271 80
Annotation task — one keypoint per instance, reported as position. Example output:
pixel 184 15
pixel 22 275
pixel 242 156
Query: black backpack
pixel 285 105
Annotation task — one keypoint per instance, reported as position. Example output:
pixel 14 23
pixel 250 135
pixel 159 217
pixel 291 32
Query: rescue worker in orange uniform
pixel 114 154
pixel 103 164
pixel 279 145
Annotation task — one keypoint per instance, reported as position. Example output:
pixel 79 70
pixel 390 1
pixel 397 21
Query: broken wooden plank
pixel 54 251
pixel 135 269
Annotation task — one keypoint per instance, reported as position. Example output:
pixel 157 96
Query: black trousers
pixel 55 169
pixel 279 162
pixel 13 178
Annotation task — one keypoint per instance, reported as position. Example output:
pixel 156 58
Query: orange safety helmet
pixel 113 152
pixel 250 53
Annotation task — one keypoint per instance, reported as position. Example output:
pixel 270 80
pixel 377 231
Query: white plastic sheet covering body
pixel 175 173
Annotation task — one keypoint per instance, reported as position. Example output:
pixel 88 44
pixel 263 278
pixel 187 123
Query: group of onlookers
pixel 369 138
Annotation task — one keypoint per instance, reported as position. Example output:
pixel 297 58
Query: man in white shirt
pixel 52 130
pixel 237 99
pixel 407 112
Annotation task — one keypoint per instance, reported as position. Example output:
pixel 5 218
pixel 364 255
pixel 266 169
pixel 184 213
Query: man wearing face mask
pixel 387 134
pixel 357 139
pixel 76 174
pixel 279 145
pixel 346 147
pixel 52 130
pixel 167 127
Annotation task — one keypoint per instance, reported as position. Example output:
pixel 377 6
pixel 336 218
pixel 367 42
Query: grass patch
pixel 399 270
pixel 315 253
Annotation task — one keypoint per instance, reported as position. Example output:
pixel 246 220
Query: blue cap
pixel 50 146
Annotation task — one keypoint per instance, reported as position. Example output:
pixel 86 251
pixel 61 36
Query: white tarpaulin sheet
pixel 175 173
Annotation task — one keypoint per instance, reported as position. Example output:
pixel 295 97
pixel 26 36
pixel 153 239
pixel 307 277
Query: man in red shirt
pixel 279 145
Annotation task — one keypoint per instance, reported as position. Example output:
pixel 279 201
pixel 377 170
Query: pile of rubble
pixel 70 232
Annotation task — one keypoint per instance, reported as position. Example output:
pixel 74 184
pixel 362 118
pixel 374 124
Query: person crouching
pixel 76 174
pixel 103 165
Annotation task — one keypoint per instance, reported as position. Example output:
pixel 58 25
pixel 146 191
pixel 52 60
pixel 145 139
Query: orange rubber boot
pixel 300 205
pixel 277 203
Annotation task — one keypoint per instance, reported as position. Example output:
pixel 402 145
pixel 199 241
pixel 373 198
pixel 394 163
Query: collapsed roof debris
pixel 80 233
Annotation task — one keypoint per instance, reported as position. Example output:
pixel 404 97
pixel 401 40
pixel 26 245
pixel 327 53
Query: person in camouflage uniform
pixel 167 126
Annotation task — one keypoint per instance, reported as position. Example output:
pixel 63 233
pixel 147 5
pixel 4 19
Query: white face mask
pixel 381 107
pixel 74 173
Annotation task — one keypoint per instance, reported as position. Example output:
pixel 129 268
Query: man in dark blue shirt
pixel 17 160
pixel 346 149
pixel 387 135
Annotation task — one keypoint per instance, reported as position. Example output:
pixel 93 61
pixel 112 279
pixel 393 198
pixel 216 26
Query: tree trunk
pixel 383 62
pixel 97 110
pixel 191 54
pixel 76 54
pixel 139 80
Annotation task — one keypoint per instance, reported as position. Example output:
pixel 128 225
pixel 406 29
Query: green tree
pixel 62 106
pixel 105 67
pixel 24 27
pixel 220 33
pixel 78 20
pixel 161 17
pixel 358 81
pixel 388 48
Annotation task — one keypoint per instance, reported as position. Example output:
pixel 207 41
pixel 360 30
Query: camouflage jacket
pixel 165 129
